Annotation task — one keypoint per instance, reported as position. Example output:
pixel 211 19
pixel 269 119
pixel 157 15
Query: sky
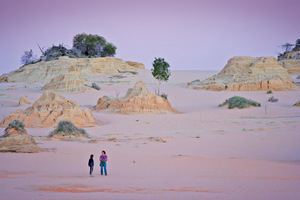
pixel 189 34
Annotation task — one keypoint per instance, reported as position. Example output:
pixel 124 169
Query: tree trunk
pixel 159 82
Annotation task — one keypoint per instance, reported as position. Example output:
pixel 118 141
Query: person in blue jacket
pixel 91 164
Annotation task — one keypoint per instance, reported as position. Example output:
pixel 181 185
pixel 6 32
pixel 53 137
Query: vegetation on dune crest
pixel 164 96
pixel 239 102
pixel 297 45
pixel 55 52
pixel 84 46
pixel 93 45
pixel 28 57
pixel 287 48
pixel 67 128
pixel 17 125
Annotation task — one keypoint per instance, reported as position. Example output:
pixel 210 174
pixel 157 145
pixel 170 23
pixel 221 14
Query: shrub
pixel 95 86
pixel 163 95
pixel 196 81
pixel 17 125
pixel 239 102
pixel 269 92
pixel 297 45
pixel 93 45
pixel 272 99
pixel 84 46
pixel 112 139
pixel 109 50
pixel 67 128
pixel 28 57
pixel 54 52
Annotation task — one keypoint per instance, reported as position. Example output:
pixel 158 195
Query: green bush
pixel 269 92
pixel 93 45
pixel 109 50
pixel 17 125
pixel 84 46
pixel 239 102
pixel 67 128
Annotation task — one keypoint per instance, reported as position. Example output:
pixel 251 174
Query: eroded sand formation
pixel 138 100
pixel 68 83
pixel 23 101
pixel 49 109
pixel 16 139
pixel 88 67
pixel 249 74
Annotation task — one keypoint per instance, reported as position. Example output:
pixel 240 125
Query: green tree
pixel 160 71
pixel 109 50
pixel 93 45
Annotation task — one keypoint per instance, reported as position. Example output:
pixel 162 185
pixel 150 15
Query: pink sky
pixel 189 34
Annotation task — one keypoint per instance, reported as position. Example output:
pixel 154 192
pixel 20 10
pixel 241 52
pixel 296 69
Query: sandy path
pixel 175 169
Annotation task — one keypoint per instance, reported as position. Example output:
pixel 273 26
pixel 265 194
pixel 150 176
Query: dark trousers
pixel 91 169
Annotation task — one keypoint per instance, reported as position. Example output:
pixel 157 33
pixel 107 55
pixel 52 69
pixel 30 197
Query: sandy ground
pixel 206 152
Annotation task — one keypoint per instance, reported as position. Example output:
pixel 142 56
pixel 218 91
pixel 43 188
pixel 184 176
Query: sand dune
pixel 206 152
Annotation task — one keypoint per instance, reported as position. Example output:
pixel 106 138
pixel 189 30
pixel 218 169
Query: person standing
pixel 103 160
pixel 91 164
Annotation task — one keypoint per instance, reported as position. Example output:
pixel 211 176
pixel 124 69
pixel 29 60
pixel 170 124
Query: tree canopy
pixel 93 45
pixel 160 70
pixel 84 46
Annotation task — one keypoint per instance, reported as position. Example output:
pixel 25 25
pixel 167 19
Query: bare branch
pixel 41 49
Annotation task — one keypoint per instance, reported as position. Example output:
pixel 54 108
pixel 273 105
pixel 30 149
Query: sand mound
pixel 88 67
pixel 17 140
pixel 297 104
pixel 136 65
pixel 239 102
pixel 49 109
pixel 138 100
pixel 23 101
pixel 249 74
